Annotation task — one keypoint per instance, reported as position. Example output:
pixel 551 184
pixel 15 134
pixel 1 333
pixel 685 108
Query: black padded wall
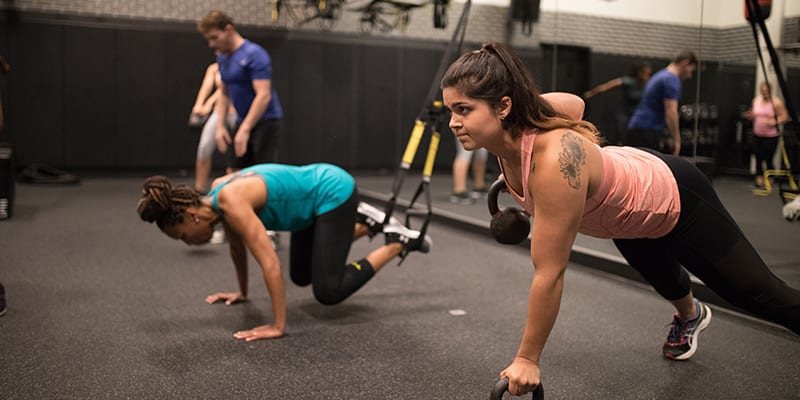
pixel 34 105
pixel 320 127
pixel 379 118
pixel 117 96
pixel 140 116
pixel 89 99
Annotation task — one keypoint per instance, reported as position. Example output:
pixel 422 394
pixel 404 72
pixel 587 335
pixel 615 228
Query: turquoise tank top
pixel 295 194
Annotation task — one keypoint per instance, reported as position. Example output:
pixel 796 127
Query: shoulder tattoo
pixel 571 158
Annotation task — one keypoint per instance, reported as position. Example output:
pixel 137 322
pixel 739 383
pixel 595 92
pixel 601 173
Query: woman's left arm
pixel 238 202
pixel 566 103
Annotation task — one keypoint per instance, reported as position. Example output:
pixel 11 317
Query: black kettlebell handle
pixel 491 197
pixel 501 387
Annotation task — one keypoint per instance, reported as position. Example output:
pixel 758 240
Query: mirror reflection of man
pixel 659 106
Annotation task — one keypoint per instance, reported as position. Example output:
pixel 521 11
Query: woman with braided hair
pixel 660 210
pixel 318 203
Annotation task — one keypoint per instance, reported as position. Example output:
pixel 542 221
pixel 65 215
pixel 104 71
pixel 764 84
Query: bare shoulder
pixel 218 181
pixel 573 156
pixel 247 189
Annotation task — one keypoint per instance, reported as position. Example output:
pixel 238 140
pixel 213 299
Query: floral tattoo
pixel 571 158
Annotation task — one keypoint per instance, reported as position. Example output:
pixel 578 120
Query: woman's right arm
pixel 559 184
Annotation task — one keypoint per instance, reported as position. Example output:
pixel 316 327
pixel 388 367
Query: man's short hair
pixel 215 19
pixel 685 55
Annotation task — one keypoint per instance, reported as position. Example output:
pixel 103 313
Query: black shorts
pixel 262 147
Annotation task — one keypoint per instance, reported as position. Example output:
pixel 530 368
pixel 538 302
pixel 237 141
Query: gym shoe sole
pixel 409 238
pixel 462 198
pixel 373 218
pixel 684 351
pixel 218 237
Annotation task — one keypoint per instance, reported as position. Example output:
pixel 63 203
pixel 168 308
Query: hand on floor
pixel 230 298
pixel 259 332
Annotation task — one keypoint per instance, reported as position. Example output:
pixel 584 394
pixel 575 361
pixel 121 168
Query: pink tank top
pixel 637 198
pixel 764 116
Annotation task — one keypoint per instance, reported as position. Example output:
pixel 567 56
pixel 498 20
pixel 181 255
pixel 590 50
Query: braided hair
pixel 492 72
pixel 163 203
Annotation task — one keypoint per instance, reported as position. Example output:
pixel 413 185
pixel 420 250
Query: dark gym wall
pixel 116 95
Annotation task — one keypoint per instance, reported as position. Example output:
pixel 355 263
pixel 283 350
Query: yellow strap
pixel 432 149
pixel 413 143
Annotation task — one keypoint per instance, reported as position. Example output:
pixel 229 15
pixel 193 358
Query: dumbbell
pixel 510 226
pixel 501 387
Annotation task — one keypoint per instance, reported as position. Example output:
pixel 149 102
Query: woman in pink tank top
pixel 658 209
pixel 767 114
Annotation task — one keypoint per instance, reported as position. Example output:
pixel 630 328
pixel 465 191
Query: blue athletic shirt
pixel 295 194
pixel 238 70
pixel 650 112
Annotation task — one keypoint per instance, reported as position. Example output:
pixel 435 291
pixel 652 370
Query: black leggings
pixel 709 243
pixel 764 150
pixel 318 255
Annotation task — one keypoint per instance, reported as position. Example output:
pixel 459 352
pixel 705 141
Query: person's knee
pixel 326 296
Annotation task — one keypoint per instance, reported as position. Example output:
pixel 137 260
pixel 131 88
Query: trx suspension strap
pixel 754 16
pixel 432 117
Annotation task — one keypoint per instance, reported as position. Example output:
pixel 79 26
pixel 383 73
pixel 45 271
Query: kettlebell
pixel 510 226
pixel 501 387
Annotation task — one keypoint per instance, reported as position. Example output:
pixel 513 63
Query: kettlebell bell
pixel 510 226
pixel 501 387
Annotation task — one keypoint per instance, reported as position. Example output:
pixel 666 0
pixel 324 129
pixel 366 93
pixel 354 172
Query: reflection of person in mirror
pixel 659 106
pixel 659 209
pixel 767 113
pixel 632 88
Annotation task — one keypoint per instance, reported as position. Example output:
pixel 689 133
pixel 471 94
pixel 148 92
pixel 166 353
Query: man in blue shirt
pixel 246 72
pixel 659 106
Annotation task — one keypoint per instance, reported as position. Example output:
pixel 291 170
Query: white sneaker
pixel 218 237
pixel 373 218
pixel 791 210
pixel 275 239
pixel 409 238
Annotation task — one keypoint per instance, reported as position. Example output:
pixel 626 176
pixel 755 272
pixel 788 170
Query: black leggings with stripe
pixel 318 255
pixel 709 243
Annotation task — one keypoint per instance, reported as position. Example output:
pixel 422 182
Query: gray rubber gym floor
pixel 102 305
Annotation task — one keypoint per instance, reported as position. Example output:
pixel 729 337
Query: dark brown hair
pixel 163 203
pixel 492 72
pixel 215 19
pixel 640 66
pixel 685 55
